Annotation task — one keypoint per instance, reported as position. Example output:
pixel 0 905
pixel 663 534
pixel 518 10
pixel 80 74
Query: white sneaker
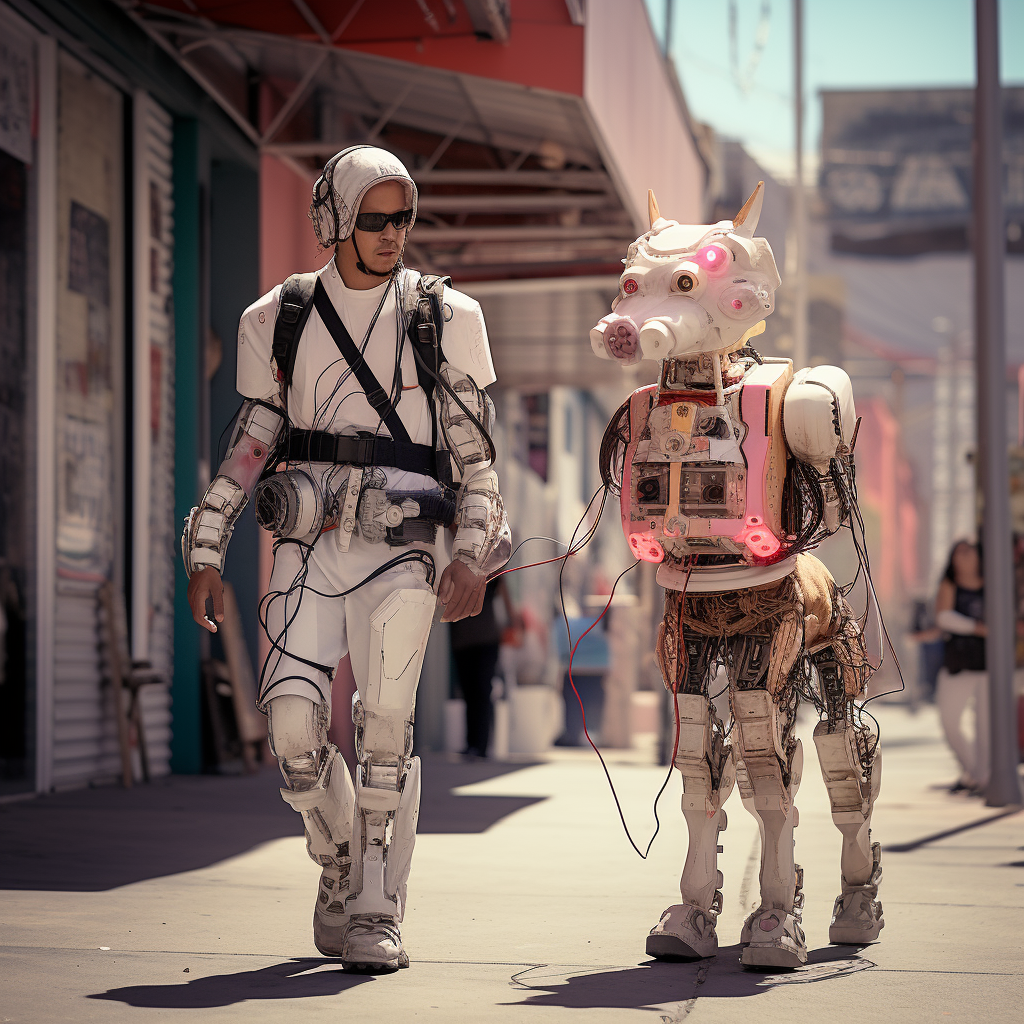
pixel 857 915
pixel 372 943
pixel 685 932
pixel 329 917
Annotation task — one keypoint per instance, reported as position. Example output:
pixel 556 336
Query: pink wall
pixel 287 246
pixel 885 483
pixel 287 243
pixel 544 49
pixel 631 98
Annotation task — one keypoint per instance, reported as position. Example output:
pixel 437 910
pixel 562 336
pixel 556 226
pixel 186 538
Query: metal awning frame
pixel 377 93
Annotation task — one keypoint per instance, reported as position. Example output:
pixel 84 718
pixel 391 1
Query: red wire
pixel 530 565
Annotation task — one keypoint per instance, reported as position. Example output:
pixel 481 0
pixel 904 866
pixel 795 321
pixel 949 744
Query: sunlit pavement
pixel 192 901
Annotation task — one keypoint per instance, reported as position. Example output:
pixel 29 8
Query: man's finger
pixel 459 605
pixel 198 603
pixel 472 600
pixel 218 602
pixel 445 587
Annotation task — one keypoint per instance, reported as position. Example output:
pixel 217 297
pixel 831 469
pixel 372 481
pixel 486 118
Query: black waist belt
pixel 319 446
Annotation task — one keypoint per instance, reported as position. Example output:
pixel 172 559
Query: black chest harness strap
pixel 343 449
pixel 375 394
pixel 300 295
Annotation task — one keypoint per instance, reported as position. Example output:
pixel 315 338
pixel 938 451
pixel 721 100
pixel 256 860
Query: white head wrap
pixel 340 189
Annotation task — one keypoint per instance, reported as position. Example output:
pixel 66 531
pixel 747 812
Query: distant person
pixel 931 650
pixel 475 643
pixel 960 612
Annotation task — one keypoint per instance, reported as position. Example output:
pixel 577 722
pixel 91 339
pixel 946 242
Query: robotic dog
pixel 730 469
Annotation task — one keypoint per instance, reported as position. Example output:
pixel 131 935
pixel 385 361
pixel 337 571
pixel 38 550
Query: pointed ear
pixel 652 207
pixel 745 222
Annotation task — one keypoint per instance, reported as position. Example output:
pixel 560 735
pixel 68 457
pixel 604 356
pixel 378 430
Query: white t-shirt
pixel 316 400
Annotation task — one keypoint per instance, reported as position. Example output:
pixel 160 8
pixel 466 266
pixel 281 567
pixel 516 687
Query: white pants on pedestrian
pixel 954 694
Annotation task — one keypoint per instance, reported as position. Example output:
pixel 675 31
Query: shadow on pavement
pixel 654 983
pixel 443 812
pixel 288 980
pixel 93 839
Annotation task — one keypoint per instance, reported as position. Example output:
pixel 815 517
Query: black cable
pixel 607 774
pixel 230 424
pixel 458 401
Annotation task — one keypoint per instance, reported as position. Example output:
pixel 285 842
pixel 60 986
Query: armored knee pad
pixel 318 782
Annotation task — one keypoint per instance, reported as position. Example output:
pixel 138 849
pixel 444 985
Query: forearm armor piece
pixel 468 446
pixel 209 525
pixel 483 539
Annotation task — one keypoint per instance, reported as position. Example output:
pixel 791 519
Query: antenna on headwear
pixel 652 207
pixel 745 222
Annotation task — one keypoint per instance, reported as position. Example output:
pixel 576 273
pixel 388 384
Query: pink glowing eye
pixel 714 258
pixel 737 304
pixel 629 286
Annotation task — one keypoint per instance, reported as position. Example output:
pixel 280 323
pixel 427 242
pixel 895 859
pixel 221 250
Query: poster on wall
pixel 89 327
pixel 84 449
pixel 16 77
pixel 83 498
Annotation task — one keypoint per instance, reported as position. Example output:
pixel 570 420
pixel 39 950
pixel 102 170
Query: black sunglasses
pixel 379 221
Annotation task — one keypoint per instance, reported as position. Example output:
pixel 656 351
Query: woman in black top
pixel 960 612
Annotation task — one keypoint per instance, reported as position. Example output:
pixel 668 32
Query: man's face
pixel 380 249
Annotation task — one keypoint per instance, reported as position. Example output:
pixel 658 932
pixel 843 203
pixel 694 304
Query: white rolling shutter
pixel 88 417
pixel 154 561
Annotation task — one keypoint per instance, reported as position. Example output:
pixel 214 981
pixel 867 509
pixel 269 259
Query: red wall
pixel 287 243
pixel 544 50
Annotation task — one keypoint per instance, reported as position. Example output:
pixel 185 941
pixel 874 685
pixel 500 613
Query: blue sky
pixel 867 44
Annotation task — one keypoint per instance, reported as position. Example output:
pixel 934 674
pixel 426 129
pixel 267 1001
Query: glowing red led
pixel 737 304
pixel 629 286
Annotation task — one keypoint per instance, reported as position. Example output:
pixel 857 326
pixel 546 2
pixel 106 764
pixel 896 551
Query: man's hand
pixel 461 591
pixel 203 584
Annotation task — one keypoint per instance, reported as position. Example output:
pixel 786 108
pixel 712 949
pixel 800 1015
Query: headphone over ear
pixel 336 199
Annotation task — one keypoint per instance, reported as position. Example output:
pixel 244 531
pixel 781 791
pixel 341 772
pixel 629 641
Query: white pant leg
pixel 306 625
pixel 952 695
pixel 982 765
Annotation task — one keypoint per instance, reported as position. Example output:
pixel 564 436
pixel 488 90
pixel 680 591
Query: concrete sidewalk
pixel 190 900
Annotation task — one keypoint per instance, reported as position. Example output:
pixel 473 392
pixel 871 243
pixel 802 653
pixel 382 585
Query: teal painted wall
pixel 186 743
pixel 234 285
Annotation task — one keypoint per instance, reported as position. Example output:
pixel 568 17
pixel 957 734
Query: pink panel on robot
pixel 645 536
pixel 246 462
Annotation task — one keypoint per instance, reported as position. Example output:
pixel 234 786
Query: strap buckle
pixel 378 399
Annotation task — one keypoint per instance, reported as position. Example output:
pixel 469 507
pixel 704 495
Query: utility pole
pixel 990 343
pixel 801 351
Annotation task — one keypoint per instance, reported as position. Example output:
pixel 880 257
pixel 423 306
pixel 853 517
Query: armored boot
pixel 774 936
pixel 857 915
